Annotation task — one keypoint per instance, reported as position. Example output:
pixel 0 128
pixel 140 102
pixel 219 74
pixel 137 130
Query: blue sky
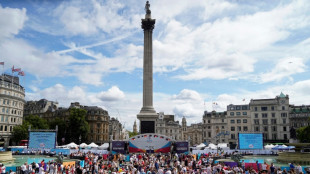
pixel 204 52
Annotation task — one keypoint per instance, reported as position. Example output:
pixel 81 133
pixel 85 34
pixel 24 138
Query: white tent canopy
pixel 104 146
pixel 71 145
pixel 201 145
pixel 212 146
pixel 83 145
pixel 92 145
pixel 269 146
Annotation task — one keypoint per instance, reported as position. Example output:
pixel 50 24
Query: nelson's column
pixel 147 115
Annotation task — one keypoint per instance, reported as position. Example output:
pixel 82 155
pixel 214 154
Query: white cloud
pixel 113 94
pixel 187 94
pixel 12 21
pixel 283 69
pixel 90 18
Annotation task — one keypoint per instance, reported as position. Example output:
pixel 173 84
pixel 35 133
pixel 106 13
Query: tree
pixel 132 134
pixel 78 126
pixel 62 127
pixel 303 134
pixel 20 132
pixel 36 122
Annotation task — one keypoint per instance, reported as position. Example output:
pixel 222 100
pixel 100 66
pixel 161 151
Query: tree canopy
pixel 78 126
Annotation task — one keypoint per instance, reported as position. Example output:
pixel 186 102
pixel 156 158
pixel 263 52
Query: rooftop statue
pixel 147 8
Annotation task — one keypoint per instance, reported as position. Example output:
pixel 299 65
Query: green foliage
pixel 20 132
pixel 78 126
pixel 303 134
pixel 61 128
pixel 36 122
pixel 132 134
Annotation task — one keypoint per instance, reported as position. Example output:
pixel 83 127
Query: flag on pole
pixel 1 63
pixel 21 73
pixel 16 70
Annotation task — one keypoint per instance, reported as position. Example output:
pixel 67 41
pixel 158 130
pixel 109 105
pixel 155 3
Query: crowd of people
pixel 152 164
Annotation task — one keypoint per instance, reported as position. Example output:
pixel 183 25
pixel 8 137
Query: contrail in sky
pixel 94 45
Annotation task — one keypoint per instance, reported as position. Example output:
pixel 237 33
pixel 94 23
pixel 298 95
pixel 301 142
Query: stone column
pixel 147 115
pixel 148 26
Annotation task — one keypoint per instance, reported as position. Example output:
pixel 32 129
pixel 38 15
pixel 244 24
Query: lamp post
pixel 111 137
pixel 80 137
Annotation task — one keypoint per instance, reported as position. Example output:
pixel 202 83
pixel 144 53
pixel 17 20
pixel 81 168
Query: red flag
pixel 21 73
pixel 16 70
pixel 1 63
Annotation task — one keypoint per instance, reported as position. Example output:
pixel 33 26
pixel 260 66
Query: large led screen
pixel 250 141
pixel 45 140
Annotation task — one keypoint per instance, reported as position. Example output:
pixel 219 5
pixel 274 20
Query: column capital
pixel 148 24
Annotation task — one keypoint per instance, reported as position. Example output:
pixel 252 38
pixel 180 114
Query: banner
pixel 181 147
pixel 40 140
pixel 118 147
pixel 250 140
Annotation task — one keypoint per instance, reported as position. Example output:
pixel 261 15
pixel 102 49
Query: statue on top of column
pixel 147 8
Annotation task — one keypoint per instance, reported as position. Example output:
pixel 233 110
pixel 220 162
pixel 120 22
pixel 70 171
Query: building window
pixel 222 127
pixel 5 128
pixel 283 108
pixel 238 121
pixel 209 127
pixel 256 121
pixel 244 113
pixel 209 121
pixel 232 136
pixel 265 121
pixel 232 128
pixel 256 115
pixel 274 136
pixel 272 108
pixel 264 108
pixel 257 129
pixel 1 128
pixel 245 128
pixel 265 136
pixel 264 115
pixel 284 121
pixel 266 128
pixel 209 134
pixel 273 121
pixel 274 128
pixel 244 107
pixel 245 120
pixel 232 113
pixel 223 120
pixel 284 128
pixel 239 128
pixel 232 121
pixel 285 136
pixel 273 114
pixel 238 108
pixel 238 113
pixel 255 108
pixel 283 114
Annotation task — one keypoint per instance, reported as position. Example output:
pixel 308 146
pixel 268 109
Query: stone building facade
pixel 166 125
pixel 238 121
pixel 271 117
pixel 115 129
pixel 39 107
pixel 299 116
pixel 12 101
pixel 214 125
pixel 97 118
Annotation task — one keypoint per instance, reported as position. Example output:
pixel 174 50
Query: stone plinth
pixel 6 156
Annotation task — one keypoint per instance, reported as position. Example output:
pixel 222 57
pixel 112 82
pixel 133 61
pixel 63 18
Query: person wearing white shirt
pixel 23 168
